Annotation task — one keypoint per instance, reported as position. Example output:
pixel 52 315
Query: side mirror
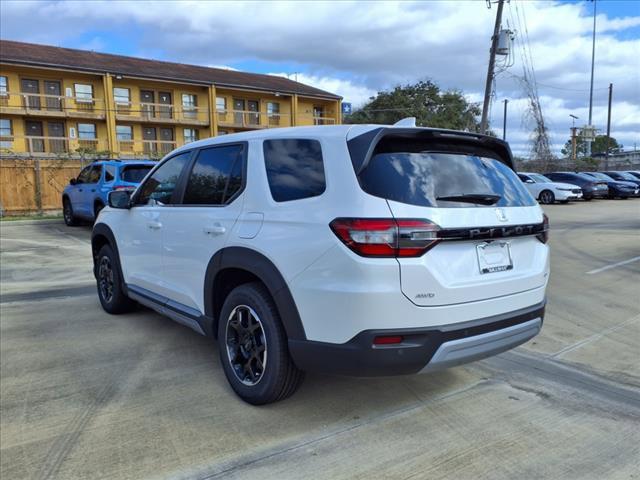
pixel 120 199
pixel 72 181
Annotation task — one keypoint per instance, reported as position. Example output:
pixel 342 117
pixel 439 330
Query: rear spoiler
pixel 362 147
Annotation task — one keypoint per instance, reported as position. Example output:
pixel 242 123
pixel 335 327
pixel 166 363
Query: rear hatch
pixel 489 231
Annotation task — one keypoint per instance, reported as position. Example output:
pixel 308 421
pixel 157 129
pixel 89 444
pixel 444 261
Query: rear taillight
pixel 543 236
pixel 386 237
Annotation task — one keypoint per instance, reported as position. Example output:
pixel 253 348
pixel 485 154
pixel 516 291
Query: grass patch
pixel 31 217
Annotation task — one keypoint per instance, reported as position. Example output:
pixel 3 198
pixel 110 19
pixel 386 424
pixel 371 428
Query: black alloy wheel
pixel 105 279
pixel 246 345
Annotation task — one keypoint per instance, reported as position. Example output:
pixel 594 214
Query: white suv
pixel 357 250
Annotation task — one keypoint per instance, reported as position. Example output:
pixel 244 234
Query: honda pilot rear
pixel 455 270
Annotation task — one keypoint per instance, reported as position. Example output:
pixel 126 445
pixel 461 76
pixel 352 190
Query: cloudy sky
pixel 358 48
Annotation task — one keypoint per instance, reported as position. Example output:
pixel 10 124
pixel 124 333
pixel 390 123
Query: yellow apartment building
pixel 65 102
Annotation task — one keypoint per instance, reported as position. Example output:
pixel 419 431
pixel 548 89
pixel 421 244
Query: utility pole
pixel 484 123
pixel 573 137
pixel 606 152
pixel 504 120
pixel 593 57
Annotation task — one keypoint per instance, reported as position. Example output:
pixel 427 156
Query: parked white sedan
pixel 547 191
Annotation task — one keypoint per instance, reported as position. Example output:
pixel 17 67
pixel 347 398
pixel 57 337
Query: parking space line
pixel 613 265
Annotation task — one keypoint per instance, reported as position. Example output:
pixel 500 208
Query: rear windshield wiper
pixel 481 198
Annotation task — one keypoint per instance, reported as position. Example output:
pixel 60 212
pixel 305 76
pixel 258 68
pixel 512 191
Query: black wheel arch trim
pixel 102 230
pixel 257 264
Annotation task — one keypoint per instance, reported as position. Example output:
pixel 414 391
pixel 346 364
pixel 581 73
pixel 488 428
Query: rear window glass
pixel 135 173
pixel 424 178
pixel 295 169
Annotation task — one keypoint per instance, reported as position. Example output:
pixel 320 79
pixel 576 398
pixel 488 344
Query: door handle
pixel 79 189
pixel 216 229
pixel 154 225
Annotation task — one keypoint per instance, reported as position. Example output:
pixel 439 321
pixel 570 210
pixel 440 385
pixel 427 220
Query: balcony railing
pixel 151 148
pixel 249 119
pixel 50 145
pixel 51 105
pixel 324 121
pixel 161 112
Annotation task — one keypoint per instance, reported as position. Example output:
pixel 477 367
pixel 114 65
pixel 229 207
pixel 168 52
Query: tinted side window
pixel 83 177
pixel 295 169
pixel 109 173
pixel 216 176
pixel 163 182
pixel 94 174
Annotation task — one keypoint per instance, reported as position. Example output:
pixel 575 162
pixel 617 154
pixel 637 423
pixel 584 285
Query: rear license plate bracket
pixel 494 257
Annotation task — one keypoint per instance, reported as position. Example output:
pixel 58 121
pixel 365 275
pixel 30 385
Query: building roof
pixel 68 58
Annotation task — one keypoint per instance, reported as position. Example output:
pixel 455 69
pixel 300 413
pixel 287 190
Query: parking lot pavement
pixel 89 395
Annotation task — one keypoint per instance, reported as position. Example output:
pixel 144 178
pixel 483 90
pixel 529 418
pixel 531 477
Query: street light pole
pixel 593 58
pixel 504 121
pixel 484 123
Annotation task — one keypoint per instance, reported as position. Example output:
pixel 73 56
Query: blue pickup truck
pixel 86 194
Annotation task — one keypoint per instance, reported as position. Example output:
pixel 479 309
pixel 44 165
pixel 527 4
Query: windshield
pixel 600 176
pixel 625 175
pixel 540 178
pixel 449 180
pixel 135 173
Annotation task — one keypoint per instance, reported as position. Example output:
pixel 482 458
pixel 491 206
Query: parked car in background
pixel 547 191
pixel 622 190
pixel 87 194
pixel 635 173
pixel 288 245
pixel 623 177
pixel 591 188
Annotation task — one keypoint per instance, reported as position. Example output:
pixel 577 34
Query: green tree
pixel 599 145
pixel 431 106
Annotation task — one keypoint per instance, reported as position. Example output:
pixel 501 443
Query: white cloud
pixel 358 95
pixel 357 48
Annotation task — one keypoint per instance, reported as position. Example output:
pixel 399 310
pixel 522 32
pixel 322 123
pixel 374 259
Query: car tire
pixel 546 197
pixel 111 293
pixel 67 213
pixel 587 199
pixel 96 210
pixel 253 347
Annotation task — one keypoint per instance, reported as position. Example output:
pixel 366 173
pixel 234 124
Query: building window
pixel 189 100
pixel 221 104
pixel 6 139
pixel 189 105
pixel 86 131
pixel 4 86
pixel 84 93
pixel 190 135
pixel 122 95
pixel 124 133
pixel 273 112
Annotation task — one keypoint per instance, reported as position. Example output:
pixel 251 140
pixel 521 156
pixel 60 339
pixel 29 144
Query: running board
pixel 189 317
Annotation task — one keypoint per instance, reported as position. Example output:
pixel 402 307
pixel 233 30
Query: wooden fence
pixel 34 185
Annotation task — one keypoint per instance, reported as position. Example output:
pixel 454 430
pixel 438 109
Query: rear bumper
pixel 422 349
